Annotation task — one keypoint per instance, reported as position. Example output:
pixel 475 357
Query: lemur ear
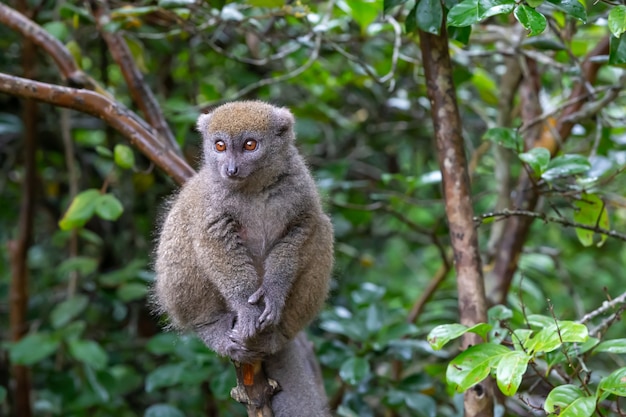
pixel 203 122
pixel 284 120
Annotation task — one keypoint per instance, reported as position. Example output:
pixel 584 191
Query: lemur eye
pixel 220 146
pixel 250 145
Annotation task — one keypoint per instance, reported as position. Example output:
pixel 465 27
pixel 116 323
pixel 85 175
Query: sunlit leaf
pixel 469 12
pixel 614 384
pixel 566 165
pixel 124 156
pixel 573 8
pixel 474 364
pixel 617 20
pixel 537 159
pixel 530 19
pixel 364 12
pixel 611 346
pixel 570 401
pixel 553 336
pixel 591 212
pixel 80 210
pixel 510 371
pixel 108 207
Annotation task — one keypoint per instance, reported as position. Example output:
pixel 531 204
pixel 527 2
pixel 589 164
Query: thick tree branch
pixel 458 201
pixel 113 113
pixel 139 89
pixel 40 37
pixel 527 195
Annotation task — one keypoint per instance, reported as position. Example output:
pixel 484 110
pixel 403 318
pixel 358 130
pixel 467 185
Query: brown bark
pixel 458 202
pixel 254 389
pixel 527 196
pixel 139 90
pixel 40 37
pixel 117 116
pixel 18 248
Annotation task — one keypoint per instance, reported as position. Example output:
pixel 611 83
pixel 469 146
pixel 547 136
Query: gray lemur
pixel 245 253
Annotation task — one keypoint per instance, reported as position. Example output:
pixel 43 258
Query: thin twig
pixel 549 219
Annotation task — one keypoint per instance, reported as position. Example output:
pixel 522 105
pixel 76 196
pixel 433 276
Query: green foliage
pixel 507 360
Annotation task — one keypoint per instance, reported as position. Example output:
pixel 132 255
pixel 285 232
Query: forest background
pixel 528 108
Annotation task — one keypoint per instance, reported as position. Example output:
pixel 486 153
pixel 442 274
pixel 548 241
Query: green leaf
pixel 510 371
pixel 442 334
pixel 124 156
pixel 537 159
pixel 82 264
pixel 469 12
pixel 460 34
pixel 429 16
pixel 612 346
pixel 162 343
pixel 551 337
pixel 88 352
pixel 473 365
pixel 617 50
pixel 570 402
pixel 364 12
pixel 566 165
pixel 534 3
pixel 163 410
pixel 388 4
pixel 80 210
pixel 614 384
pixel 530 19
pixel 170 4
pixel 411 20
pixel 354 370
pixel 423 405
pixel 132 291
pixel 66 311
pixel 591 211
pixel 505 137
pixel 617 20
pixel 108 207
pixel 165 376
pixel 33 348
pixel 57 29
pixel 571 7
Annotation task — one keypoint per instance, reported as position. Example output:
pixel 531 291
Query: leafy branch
pixel 549 219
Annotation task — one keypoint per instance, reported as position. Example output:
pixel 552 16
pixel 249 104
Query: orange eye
pixel 250 145
pixel 220 146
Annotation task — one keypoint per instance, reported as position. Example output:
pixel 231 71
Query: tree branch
pixel 73 75
pixel 139 89
pixel 458 201
pixel 550 219
pixel 117 116
pixel 512 242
